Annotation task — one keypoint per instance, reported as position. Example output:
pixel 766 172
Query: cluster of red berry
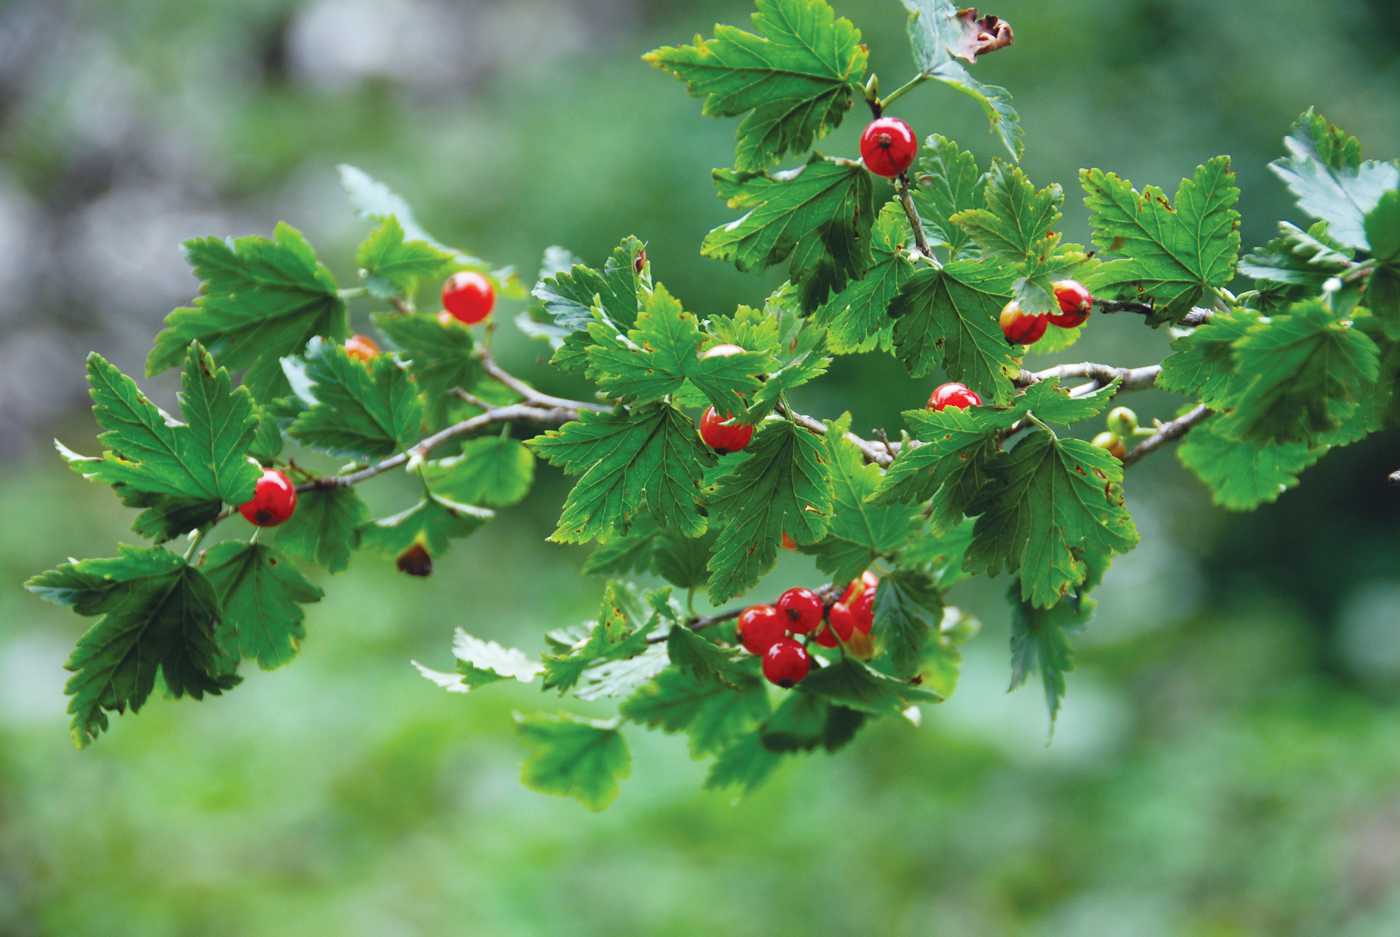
pixel 467 298
pixel 771 631
pixel 1022 328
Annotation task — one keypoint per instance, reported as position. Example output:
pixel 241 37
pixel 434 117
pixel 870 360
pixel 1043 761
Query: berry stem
pixel 198 538
pixel 906 199
pixel 899 92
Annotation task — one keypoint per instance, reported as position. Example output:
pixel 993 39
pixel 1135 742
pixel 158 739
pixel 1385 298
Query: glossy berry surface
pixel 786 663
pixel 856 587
pixel 274 500
pixel 361 348
pixel 1075 304
pixel 1020 328
pixel 723 435
pixel 468 296
pixel 953 395
pixel 840 623
pixel 801 609
pixel 863 611
pixel 760 627
pixel 888 146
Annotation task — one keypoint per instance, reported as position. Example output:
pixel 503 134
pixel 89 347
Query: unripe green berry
pixel 1111 443
pixel 1122 421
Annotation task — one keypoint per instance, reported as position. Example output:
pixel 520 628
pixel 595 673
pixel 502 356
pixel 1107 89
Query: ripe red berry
pixel 1075 303
pixel 788 543
pixel 857 587
pixel 786 663
pixel 723 351
pixel 840 623
pixel 361 348
pixel 953 395
pixel 863 611
pixel 888 146
pixel 802 609
pixel 760 626
pixel 722 434
pixel 468 296
pixel 1021 328
pixel 274 500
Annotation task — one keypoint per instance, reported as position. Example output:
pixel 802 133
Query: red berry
pixel 786 663
pixel 953 395
pixel 274 500
pixel 723 351
pixel 468 296
pixel 788 543
pixel 840 623
pixel 361 348
pixel 863 611
pixel 888 146
pixel 760 626
pixel 802 608
pixel 722 434
pixel 1075 303
pixel 1020 328
pixel 857 587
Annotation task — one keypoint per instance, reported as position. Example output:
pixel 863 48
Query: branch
pixel 532 396
pixel 1168 432
pixel 828 594
pixel 1104 374
pixel 881 454
pixel 1196 317
pixel 906 199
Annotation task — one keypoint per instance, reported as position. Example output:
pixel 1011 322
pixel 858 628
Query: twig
pixel 1196 317
pixel 872 451
pixel 1167 433
pixel 906 199
pixel 531 395
pixel 1102 374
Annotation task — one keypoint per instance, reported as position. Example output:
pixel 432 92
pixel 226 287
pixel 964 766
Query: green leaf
pixel 647 460
pixel 324 528
pixel 481 662
pixel 180 472
pixel 361 409
pixel 615 636
pixel 440 357
pixel 1301 375
pixel 778 485
pixel 795 79
pixel 940 664
pixel 1057 503
pixel 858 686
pixel 1325 172
pixel 908 610
pixel 580 758
pixel 948 316
pixel 948 181
pixel 261 594
pixel 1241 476
pixel 1383 285
pixel 392 267
pixel 663 352
pixel 1017 217
pixel 1202 363
pixel 745 765
pixel 568 297
pixel 433 523
pixel 994 100
pixel 259 300
pixel 157 614
pixel 495 471
pixel 1173 254
pixel 701 659
pixel 1297 258
pixel 819 215
pixel 873 529
pixel 1040 644
pixel 857 316
pixel 713 715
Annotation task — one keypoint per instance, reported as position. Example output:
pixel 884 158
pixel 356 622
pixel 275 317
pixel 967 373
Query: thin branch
pixel 531 395
pixel 906 199
pixel 1168 432
pixel 1196 317
pixel 1103 374
pixel 527 413
pixel 874 452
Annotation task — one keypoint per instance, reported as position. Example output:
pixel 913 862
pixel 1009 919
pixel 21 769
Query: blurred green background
pixel 1228 761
